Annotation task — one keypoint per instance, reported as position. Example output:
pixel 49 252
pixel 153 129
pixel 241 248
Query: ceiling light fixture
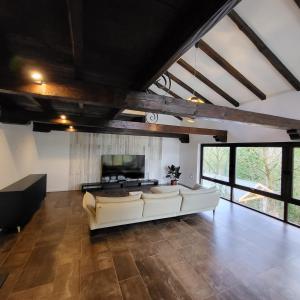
pixel 196 100
pixel 71 127
pixel 63 117
pixel 37 77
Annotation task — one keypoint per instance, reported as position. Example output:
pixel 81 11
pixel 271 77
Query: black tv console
pixel 96 186
pixel 19 201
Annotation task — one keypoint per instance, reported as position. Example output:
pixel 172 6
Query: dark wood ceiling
pixel 125 45
pixel 122 43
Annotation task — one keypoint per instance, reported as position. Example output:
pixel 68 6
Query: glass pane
pixel 223 189
pixel 294 214
pixel 296 174
pixel 259 168
pixel 216 162
pixel 264 204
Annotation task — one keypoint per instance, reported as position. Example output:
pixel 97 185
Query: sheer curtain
pixel 86 150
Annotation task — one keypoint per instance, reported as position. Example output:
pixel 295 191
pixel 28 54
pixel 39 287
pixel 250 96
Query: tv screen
pixel 129 166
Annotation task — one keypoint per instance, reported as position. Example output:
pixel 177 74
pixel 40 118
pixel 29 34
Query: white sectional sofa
pixel 162 202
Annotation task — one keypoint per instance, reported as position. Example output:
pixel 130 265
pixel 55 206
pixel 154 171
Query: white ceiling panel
pixel 277 23
pixel 209 68
pixel 238 50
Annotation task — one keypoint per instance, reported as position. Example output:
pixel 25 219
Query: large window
pixel 259 168
pixel 263 176
pixel 296 173
pixel 294 214
pixel 224 190
pixel 260 203
pixel 216 162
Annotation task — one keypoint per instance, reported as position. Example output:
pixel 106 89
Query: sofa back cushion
pixel 115 212
pixel 197 186
pixel 164 189
pixel 134 193
pixel 160 196
pixel 199 200
pixel 118 199
pixel 201 191
pixel 163 207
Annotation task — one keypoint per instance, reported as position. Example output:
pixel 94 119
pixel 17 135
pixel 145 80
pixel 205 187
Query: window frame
pixel 287 164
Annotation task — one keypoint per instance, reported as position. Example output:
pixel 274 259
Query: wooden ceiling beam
pixel 47 127
pixel 162 87
pixel 182 36
pixel 298 3
pixel 264 49
pixel 206 81
pixel 230 69
pixel 75 14
pixel 186 87
pixel 107 97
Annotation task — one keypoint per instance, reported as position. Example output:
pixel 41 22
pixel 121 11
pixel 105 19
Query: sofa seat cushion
pixel 110 212
pixel 160 196
pixel 162 206
pixel 199 199
pixel 118 199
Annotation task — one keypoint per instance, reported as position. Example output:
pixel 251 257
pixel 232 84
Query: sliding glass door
pixel 263 177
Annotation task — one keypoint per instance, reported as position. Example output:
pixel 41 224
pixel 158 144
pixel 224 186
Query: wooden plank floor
pixel 238 255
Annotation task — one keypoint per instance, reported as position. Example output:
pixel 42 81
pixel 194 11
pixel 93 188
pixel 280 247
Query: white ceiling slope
pixel 276 22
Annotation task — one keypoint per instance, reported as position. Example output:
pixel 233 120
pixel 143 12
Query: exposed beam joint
pixel 230 69
pixel 206 81
pixel 182 36
pixel 19 116
pixel 162 87
pixel 107 97
pixel 264 49
pixel 186 87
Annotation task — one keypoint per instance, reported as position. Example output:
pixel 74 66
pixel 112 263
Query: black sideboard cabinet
pixel 20 200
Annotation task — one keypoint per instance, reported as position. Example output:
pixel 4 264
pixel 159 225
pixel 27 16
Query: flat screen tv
pixel 129 166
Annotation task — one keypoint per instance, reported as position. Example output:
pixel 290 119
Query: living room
pixel 150 151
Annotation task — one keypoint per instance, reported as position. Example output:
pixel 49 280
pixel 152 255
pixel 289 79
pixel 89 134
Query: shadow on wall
pixel 17 153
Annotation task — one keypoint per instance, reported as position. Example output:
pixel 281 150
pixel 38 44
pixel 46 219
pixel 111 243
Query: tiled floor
pixel 238 255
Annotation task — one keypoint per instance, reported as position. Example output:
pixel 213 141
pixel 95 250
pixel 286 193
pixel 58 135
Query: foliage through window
pixel 224 190
pixel 296 173
pixel 216 162
pixel 294 214
pixel 259 168
pixel 261 203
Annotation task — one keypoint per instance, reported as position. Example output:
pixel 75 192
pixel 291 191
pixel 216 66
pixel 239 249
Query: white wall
pixel 24 152
pixel 170 148
pixel 285 105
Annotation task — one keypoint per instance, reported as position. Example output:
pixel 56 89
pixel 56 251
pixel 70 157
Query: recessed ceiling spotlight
pixel 71 127
pixel 37 77
pixel 63 117
pixel 196 100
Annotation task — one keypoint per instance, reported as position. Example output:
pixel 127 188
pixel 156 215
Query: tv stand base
pixel 96 186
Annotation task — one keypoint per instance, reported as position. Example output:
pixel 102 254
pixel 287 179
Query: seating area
pixel 163 202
